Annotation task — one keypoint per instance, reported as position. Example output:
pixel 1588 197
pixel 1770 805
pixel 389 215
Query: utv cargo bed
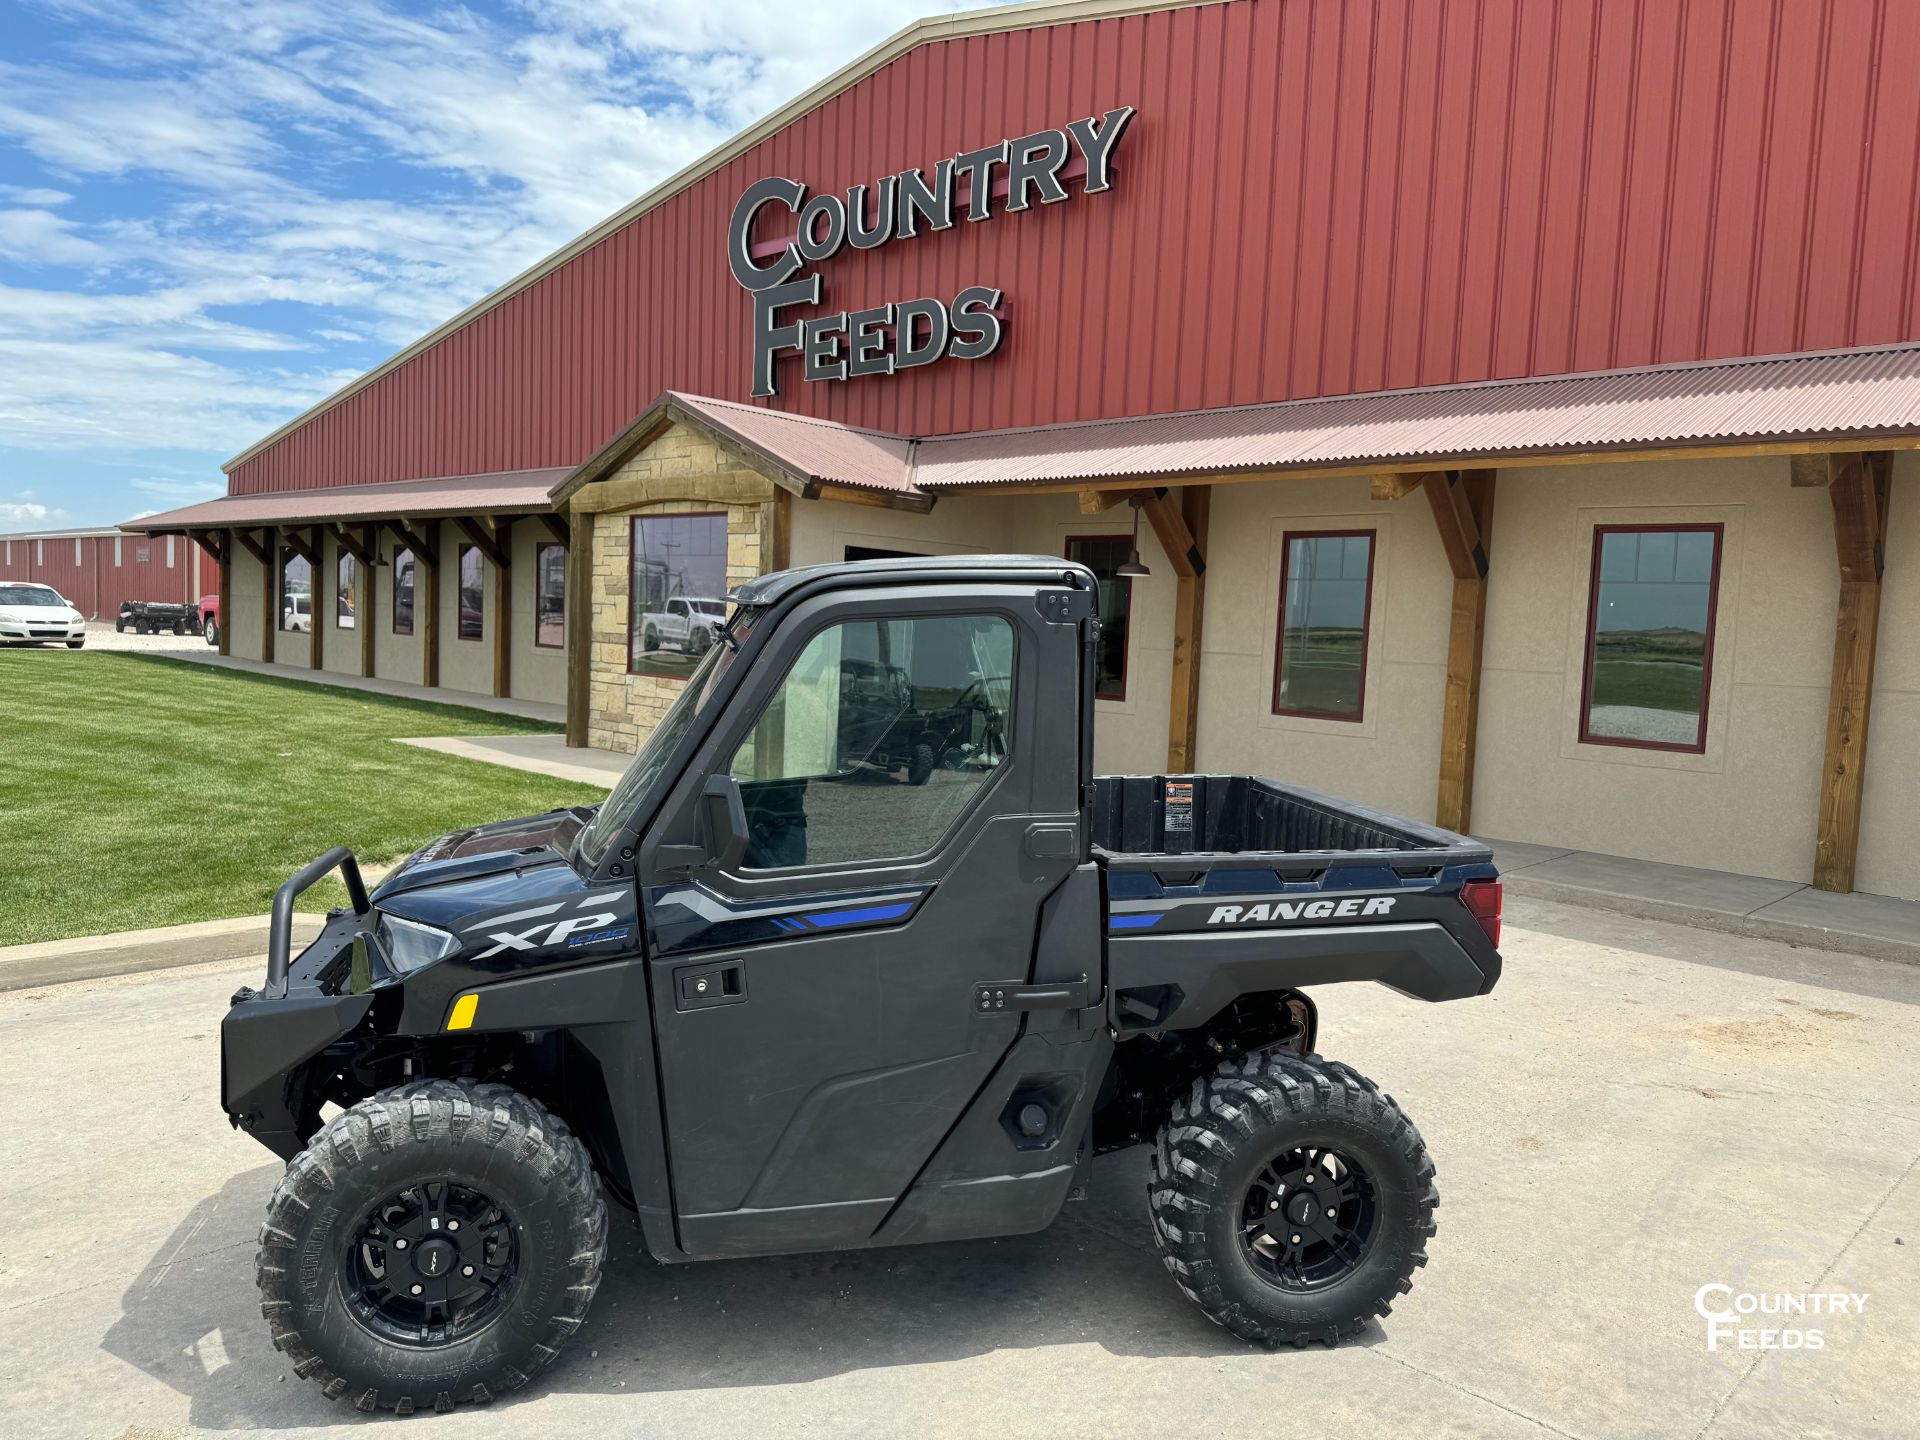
pixel 1220 885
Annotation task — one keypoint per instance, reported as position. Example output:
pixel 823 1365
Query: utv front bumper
pixel 271 1037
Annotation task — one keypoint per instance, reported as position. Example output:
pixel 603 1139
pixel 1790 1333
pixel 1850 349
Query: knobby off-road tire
pixel 459 1134
pixel 1204 1189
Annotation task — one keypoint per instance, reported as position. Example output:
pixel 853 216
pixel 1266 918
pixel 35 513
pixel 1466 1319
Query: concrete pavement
pixel 1638 1110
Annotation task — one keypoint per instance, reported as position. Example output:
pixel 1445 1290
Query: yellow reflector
pixel 462 1016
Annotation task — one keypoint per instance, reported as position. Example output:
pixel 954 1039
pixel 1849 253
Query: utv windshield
pixel 620 809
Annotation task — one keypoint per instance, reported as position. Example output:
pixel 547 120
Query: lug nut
pixel 416 1289
pixel 1273 1204
pixel 468 1269
pixel 453 1224
pixel 1331 1214
pixel 401 1243
pixel 1296 1240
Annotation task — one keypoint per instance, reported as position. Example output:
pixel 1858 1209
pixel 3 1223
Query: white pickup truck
pixel 687 624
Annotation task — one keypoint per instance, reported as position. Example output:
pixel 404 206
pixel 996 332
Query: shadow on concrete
pixel 192 1320
pixel 1770 959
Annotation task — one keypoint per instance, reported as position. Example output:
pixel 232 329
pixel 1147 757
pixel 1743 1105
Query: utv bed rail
pixel 280 934
pixel 1140 820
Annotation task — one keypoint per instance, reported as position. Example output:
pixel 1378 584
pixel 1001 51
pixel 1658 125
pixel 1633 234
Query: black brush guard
pixel 280 934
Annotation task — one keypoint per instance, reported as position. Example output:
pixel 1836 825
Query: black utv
pixel 771 1005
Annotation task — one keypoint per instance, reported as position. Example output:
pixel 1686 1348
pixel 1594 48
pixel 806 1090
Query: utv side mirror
pixel 723 821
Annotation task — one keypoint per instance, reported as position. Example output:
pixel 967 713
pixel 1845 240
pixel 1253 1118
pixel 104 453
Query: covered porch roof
pixel 1830 400
pixel 509 492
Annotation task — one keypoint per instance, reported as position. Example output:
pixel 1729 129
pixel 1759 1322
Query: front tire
pixel 1243 1176
pixel 212 631
pixel 367 1284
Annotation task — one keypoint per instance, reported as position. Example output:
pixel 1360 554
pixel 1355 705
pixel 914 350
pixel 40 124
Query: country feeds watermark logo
pixel 1772 1319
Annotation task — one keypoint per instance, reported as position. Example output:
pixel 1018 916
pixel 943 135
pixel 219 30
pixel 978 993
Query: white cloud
pixel 263 180
pixel 21 513
pixel 181 492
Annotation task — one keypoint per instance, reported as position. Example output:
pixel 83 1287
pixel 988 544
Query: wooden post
pixel 368 607
pixel 270 593
pixel 1859 487
pixel 1189 615
pixel 579 628
pixel 1468 505
pixel 426 602
pixel 226 593
pixel 317 605
pixel 503 608
pixel 779 553
pixel 1462 504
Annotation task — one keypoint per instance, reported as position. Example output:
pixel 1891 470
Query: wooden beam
pixel 556 526
pixel 269 590
pixel 418 540
pixel 426 601
pixel 1466 633
pixel 503 611
pixel 1860 489
pixel 368 607
pixel 1459 530
pixel 225 623
pixel 1189 616
pixel 305 546
pixel 1397 486
pixel 214 542
pixel 779 554
pixel 579 627
pixel 354 545
pixel 883 499
pixel 1093 502
pixel 489 540
pixel 1175 538
pixel 260 549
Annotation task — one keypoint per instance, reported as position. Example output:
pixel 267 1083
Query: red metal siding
pixel 1319 197
pixel 95 585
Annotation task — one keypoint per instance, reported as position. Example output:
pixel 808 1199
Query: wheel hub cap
pixel 431 1265
pixel 1308 1219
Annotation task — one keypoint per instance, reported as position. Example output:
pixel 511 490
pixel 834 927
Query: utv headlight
pixel 409 945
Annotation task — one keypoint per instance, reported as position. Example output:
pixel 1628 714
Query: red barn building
pixel 97 570
pixel 1519 397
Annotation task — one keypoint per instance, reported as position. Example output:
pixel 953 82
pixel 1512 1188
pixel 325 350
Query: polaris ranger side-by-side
pixel 776 999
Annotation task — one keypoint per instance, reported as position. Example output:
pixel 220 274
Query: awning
pixel 1821 397
pixel 508 492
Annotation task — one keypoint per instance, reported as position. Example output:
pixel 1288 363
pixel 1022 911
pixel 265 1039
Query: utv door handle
pixel 1015 995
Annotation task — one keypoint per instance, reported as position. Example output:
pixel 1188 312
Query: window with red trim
pixel 1103 554
pixel 1326 608
pixel 472 624
pixel 1649 658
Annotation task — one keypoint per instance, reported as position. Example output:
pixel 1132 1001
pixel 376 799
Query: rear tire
pixel 336 1297
pixel 920 767
pixel 179 627
pixel 119 625
pixel 1219 1202
pixel 212 631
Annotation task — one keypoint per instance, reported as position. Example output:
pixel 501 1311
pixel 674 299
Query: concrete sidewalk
pixel 553 714
pixel 1877 926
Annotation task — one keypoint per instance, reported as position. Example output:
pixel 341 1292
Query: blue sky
pixel 215 212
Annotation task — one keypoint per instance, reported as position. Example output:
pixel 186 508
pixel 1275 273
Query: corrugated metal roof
pixel 818 450
pixel 515 490
pixel 1823 396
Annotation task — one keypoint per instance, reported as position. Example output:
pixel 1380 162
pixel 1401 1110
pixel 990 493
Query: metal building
pixel 1514 401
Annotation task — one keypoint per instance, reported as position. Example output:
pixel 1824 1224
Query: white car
pixel 297 613
pixel 687 624
pixel 38 615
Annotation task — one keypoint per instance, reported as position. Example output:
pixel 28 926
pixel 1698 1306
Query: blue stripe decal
pixel 835 918
pixel 1135 922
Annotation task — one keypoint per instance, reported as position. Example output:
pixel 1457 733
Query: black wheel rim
pixel 1308 1219
pixel 431 1265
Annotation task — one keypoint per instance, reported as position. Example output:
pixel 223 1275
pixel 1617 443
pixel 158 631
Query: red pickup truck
pixel 210 618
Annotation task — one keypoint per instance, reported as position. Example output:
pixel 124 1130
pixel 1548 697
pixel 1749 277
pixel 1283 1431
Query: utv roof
pixel 911 570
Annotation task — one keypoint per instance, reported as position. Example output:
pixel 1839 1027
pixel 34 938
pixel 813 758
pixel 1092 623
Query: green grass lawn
pixel 140 791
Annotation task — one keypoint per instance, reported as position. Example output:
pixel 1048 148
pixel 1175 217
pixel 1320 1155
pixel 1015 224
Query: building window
pixel 403 592
pixel 679 591
pixel 472 594
pixel 169 552
pixel 1650 636
pixel 877 740
pixel 296 592
pixel 346 596
pixel 550 597
pixel 1326 605
pixel 1103 554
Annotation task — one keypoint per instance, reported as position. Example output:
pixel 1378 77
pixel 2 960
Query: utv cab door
pixel 823 896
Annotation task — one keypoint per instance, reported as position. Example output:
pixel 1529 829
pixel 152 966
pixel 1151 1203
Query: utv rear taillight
pixel 1482 898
